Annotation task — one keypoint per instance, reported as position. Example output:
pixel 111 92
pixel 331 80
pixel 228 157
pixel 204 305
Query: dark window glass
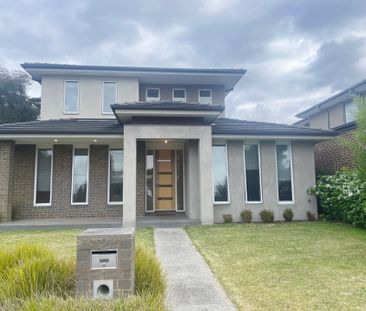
pixel 284 173
pixel 43 184
pixel 219 161
pixel 80 177
pixel 116 175
pixel 179 94
pixel 153 93
pixel 252 173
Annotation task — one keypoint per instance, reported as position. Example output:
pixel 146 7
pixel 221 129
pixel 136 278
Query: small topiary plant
pixel 227 218
pixel 311 216
pixel 267 216
pixel 246 216
pixel 288 214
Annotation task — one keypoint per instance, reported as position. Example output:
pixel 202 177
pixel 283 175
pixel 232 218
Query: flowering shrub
pixel 342 197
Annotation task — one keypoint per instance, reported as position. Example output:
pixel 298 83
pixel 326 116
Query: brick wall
pixel 140 179
pixel 332 155
pixel 6 179
pixel 61 187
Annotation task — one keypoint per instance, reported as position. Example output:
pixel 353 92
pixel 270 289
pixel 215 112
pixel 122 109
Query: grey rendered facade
pixel 161 147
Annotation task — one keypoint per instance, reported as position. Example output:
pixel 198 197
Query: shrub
pixel 227 218
pixel 149 279
pixel 288 214
pixel 246 216
pixel 266 216
pixel 31 270
pixel 342 197
pixel 310 215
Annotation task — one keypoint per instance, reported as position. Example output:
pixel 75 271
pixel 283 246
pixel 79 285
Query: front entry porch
pixel 167 171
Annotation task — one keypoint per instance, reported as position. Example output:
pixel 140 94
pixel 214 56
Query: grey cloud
pixel 295 51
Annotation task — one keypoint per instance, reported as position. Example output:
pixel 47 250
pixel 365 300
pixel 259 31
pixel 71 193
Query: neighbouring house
pixel 336 113
pixel 133 141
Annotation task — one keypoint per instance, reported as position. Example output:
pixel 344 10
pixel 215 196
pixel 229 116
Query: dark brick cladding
pixel 140 178
pixel 61 188
pixel 332 155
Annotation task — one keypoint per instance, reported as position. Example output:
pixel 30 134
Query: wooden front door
pixel 165 180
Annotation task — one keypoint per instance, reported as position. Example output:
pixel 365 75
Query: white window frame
pixel 199 96
pixel 78 102
pixel 109 178
pixel 179 99
pixel 35 179
pixel 287 143
pixel 103 83
pixel 152 98
pixel 260 173
pixel 87 176
pixel 227 176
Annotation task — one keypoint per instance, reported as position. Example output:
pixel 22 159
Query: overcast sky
pixel 296 52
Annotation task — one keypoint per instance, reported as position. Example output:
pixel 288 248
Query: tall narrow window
pixel 149 175
pixel 252 173
pixel 205 96
pixel 43 185
pixel 152 94
pixel 71 98
pixel 284 172
pixel 80 176
pixel 350 111
pixel 179 95
pixel 220 174
pixel 109 96
pixel 115 176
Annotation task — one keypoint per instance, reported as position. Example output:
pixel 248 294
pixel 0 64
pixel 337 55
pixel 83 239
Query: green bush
pixel 149 279
pixel 342 197
pixel 227 218
pixel 288 214
pixel 33 270
pixel 246 216
pixel 310 215
pixel 267 216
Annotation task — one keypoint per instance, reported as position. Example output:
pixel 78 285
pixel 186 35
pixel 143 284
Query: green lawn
pixel 287 266
pixel 64 241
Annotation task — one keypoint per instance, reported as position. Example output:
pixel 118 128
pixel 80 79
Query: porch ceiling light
pixel 165 141
pixel 55 140
pixel 95 140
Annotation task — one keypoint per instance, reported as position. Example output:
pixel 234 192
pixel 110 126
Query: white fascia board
pixel 271 137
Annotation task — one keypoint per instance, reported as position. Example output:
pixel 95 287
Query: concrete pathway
pixel 191 284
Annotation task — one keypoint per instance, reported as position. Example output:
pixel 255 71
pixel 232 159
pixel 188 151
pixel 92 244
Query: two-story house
pixel 132 141
pixel 336 113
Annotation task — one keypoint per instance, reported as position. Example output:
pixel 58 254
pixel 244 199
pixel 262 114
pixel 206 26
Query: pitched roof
pixel 64 126
pixel 342 96
pixel 167 105
pixel 222 126
pixel 225 126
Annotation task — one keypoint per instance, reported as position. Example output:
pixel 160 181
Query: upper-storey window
pixel 205 96
pixel 71 98
pixel 109 96
pixel 152 94
pixel 179 95
pixel 350 111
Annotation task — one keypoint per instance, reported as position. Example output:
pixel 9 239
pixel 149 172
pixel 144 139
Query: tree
pixel 15 105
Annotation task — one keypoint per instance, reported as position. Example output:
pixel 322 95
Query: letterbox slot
pixel 104 259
